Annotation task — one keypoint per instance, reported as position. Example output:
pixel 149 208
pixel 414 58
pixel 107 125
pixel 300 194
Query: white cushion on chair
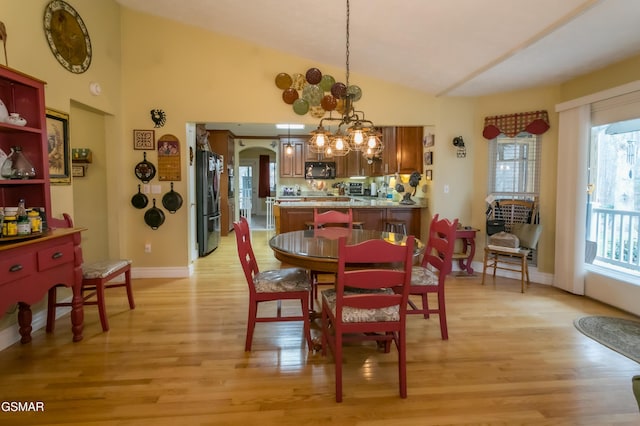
pixel 103 268
pixel 423 276
pixel 278 280
pixel 350 314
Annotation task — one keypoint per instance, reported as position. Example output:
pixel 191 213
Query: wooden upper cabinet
pixel 409 149
pixel 292 165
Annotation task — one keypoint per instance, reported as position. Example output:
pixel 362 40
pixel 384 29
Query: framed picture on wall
pixel 428 158
pixel 58 147
pixel 428 174
pixel 144 139
pixel 77 170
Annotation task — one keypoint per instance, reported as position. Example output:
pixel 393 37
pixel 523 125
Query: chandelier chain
pixel 347 45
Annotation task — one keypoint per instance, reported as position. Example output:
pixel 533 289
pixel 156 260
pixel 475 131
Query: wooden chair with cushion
pixel 321 220
pixel 96 278
pixel 430 275
pixel 368 303
pixel 268 286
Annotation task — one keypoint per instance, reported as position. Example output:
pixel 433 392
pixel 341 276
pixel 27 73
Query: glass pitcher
pixel 16 166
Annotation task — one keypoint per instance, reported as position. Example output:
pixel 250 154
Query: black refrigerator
pixel 208 168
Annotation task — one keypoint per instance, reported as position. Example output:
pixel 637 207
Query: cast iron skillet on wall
pixel 139 200
pixel 154 217
pixel 172 200
pixel 145 170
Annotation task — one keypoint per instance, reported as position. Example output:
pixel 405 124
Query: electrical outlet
pixel 156 189
pixel 147 248
pixel 446 189
pixel 146 188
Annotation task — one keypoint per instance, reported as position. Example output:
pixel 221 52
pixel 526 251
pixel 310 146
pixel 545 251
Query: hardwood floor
pixel 178 358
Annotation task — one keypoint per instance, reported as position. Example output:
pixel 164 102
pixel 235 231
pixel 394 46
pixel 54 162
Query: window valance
pixel 535 122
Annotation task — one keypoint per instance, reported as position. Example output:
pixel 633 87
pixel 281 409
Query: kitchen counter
pixel 344 202
pixel 293 213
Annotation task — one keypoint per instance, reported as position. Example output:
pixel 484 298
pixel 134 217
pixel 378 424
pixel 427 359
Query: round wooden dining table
pixel 317 249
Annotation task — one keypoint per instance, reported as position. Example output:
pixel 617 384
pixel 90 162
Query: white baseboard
pixel 175 272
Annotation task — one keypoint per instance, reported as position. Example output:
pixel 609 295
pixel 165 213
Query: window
pixel 514 166
pixel 613 201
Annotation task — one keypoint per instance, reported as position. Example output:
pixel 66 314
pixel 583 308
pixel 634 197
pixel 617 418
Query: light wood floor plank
pixel 179 358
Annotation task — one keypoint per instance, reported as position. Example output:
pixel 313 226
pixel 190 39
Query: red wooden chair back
pixel 332 217
pixel 380 254
pixel 439 251
pixel 245 251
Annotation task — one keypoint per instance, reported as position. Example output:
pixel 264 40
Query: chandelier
pixel 353 132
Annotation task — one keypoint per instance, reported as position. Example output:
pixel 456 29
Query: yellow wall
pixel 145 62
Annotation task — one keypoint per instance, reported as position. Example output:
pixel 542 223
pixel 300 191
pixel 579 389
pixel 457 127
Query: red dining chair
pixel 430 276
pixel 332 217
pixel 368 303
pixel 268 286
pixel 96 278
pixel 322 220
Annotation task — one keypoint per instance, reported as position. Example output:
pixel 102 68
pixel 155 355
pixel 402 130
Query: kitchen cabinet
pixel 409 149
pixel 388 163
pixel 223 142
pixel 25 95
pixel 292 165
pixel 402 151
pixel 372 218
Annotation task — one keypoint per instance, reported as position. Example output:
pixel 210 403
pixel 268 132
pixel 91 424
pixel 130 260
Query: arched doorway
pixel 251 203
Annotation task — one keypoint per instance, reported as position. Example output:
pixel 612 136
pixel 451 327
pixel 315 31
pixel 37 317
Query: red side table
pixel 468 236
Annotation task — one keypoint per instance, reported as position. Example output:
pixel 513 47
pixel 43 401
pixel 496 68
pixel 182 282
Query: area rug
pixel 621 335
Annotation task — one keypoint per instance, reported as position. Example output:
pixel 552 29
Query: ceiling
pixel 440 47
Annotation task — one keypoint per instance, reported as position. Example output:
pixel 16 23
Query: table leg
pixel 465 263
pixel 24 322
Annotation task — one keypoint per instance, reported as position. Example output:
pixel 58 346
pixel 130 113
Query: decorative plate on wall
pixel 67 36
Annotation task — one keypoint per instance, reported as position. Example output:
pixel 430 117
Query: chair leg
pixel 307 328
pixel 51 309
pixel 337 354
pixel 102 310
pixel 127 280
pixel 402 363
pixel 484 266
pixel 251 324
pixel 425 305
pixel 442 314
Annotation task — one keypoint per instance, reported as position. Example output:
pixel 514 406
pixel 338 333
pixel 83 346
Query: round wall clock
pixel 67 36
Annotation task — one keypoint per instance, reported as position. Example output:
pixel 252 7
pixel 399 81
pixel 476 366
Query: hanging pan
pixel 172 200
pixel 140 200
pixel 154 217
pixel 145 170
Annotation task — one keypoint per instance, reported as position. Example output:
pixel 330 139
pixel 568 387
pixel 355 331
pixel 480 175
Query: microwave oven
pixel 320 170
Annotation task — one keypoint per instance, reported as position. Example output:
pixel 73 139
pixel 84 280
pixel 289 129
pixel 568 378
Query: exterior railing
pixel 617 236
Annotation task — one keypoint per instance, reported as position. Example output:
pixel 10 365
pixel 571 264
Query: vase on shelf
pixel 16 166
pixel 15 119
pixel 4 114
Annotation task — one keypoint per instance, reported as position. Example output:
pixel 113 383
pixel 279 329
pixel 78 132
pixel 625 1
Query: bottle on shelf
pixel 24 226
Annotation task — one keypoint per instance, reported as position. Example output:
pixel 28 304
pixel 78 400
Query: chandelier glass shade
pixel 353 131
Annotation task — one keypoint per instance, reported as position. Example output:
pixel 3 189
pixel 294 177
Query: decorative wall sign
pixel 144 139
pixel 67 36
pixel 58 147
pixel 77 171
pixel 169 167
pixel 159 117
pixel 429 140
